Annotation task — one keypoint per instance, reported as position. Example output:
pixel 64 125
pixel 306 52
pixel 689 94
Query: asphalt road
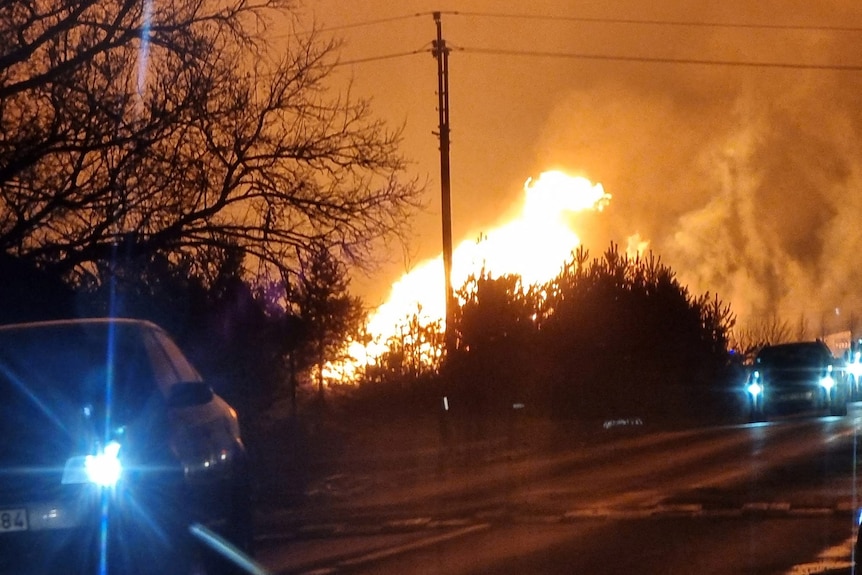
pixel 779 497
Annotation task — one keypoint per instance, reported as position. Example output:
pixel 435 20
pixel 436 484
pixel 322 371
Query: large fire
pixel 534 246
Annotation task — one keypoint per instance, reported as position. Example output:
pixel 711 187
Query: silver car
pixel 115 453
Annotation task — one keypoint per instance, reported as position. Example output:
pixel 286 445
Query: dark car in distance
pixel 796 376
pixel 113 452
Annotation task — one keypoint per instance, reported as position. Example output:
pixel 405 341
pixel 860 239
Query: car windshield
pixel 789 356
pixel 91 363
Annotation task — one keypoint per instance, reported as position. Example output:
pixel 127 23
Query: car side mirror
pixel 188 394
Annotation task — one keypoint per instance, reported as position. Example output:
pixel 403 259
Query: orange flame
pixel 534 246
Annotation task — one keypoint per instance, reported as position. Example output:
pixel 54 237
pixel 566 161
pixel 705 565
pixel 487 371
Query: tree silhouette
pixel 615 330
pixel 182 130
pixel 329 314
pixel 414 351
pixel 610 335
pixel 496 334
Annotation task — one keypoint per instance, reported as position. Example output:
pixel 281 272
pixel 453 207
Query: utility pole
pixel 441 54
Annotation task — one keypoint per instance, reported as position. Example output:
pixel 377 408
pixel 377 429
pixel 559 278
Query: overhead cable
pixel 366 23
pixel 657 22
pixel 382 57
pixel 661 60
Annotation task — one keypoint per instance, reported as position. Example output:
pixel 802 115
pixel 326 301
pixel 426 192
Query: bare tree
pixel 179 129
pixel 765 331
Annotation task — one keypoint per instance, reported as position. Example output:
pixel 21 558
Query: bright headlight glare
pixel 827 383
pixel 104 469
pixel 755 389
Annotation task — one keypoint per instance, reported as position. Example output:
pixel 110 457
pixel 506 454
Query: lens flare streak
pixel 144 57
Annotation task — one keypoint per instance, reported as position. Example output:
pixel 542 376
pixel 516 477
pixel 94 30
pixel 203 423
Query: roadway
pixel 773 498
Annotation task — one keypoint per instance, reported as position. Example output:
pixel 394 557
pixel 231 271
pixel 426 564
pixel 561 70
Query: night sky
pixel 746 179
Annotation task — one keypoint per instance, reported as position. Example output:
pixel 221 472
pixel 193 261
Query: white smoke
pixel 753 193
pixel 777 236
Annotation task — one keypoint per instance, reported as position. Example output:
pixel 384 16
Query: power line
pixel 661 60
pixel 422 50
pixel 366 23
pixel 605 57
pixel 646 22
pixel 623 58
pixel 598 20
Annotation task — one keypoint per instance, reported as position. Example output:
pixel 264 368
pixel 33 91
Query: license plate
pixel 798 396
pixel 13 520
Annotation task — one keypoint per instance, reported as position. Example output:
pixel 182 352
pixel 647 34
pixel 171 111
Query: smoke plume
pixel 751 191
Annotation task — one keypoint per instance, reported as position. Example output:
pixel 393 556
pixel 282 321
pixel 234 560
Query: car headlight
pixel 103 468
pixel 827 382
pixel 755 387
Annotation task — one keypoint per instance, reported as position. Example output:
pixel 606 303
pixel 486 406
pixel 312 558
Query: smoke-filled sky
pixel 745 179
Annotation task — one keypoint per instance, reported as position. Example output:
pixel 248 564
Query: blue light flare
pixel 104 468
pixel 43 407
pixel 226 549
pixel 144 57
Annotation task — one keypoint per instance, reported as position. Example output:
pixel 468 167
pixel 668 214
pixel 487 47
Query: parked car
pixel 853 369
pixel 799 375
pixel 113 449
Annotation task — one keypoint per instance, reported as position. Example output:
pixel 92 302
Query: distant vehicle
pixel 796 375
pixel 113 448
pixel 853 369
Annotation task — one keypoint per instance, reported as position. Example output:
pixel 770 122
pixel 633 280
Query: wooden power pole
pixel 441 54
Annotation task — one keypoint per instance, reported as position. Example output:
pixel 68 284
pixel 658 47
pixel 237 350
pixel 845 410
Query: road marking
pixel 830 559
pixel 696 510
pixel 588 514
pixel 656 511
pixel 413 523
pixel 766 507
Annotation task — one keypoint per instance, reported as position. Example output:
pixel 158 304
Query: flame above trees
pixel 530 283
pixel 533 245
